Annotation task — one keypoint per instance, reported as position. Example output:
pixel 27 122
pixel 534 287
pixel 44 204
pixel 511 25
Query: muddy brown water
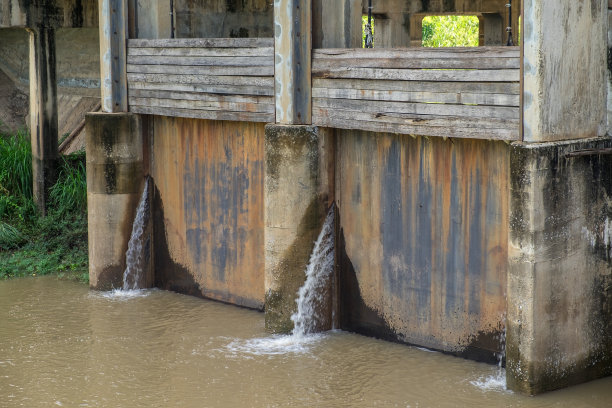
pixel 62 345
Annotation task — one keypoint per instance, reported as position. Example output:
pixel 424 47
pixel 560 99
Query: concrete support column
pixel 115 182
pixel 153 19
pixel 113 30
pixel 416 31
pixel 561 102
pixel 609 69
pixel 336 24
pixel 393 31
pixel 43 113
pixel 297 194
pixel 292 56
pixel 492 29
pixel 559 319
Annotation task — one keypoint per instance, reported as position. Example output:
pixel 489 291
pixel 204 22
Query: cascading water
pixel 313 301
pixel 134 256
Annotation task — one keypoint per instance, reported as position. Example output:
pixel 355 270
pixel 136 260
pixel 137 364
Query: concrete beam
pixel 292 56
pixel 113 32
pixel 43 113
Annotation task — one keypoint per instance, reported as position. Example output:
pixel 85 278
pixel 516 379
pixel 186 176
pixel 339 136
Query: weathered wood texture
pixel 216 78
pixel 451 92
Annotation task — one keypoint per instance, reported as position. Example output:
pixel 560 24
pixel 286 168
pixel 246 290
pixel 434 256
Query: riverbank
pixel 32 245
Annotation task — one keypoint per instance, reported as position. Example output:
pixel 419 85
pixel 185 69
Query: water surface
pixel 62 345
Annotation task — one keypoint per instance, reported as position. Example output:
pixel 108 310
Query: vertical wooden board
pixel 211 212
pixel 423 240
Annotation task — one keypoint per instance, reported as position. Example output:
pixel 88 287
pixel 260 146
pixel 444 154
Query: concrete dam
pixel 469 186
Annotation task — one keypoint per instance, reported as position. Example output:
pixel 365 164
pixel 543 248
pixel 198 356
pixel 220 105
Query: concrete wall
pixel 224 18
pixel 422 250
pixel 208 208
pixel 58 13
pixel 564 69
pixel 560 275
pixel 78 75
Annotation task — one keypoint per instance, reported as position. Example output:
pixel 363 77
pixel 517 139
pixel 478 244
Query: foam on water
pixel 274 345
pixel 122 294
pixel 494 382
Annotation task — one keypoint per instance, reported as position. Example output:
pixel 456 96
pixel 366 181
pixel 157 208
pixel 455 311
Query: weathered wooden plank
pixel 205 88
pixel 452 131
pixel 417 63
pixel 202 105
pixel 195 61
pixel 202 79
pixel 511 88
pixel 203 52
pixel 198 96
pixel 202 43
pixel 423 97
pixel 204 114
pixel 382 107
pixel 201 70
pixel 500 75
pixel 451 53
pixel 418 119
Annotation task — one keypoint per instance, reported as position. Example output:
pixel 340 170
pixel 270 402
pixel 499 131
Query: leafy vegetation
pixel 32 245
pixel 441 31
pixel 364 22
pixel 450 31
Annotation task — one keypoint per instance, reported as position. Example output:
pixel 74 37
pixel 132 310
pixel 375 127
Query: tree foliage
pixel 450 31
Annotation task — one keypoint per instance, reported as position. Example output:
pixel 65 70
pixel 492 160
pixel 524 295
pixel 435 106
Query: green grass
pixel 32 245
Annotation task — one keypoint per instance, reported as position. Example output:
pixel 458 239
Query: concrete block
pixel 114 186
pixel 296 195
pixel 559 324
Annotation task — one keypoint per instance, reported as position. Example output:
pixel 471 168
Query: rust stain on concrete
pixel 425 224
pixel 209 175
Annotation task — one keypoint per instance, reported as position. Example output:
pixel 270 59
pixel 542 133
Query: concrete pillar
pixel 115 183
pixel 559 319
pixel 392 31
pixel 609 70
pixel 113 32
pixel 561 102
pixel 153 18
pixel 43 113
pixel 336 24
pixel 493 29
pixel 297 194
pixel 416 30
pixel 292 56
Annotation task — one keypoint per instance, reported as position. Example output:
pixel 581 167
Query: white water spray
pixel 134 258
pixel 313 295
